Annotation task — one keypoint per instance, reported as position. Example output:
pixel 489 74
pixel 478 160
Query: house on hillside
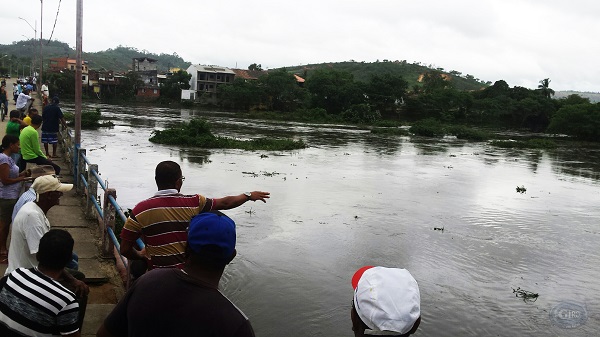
pixel 249 75
pixel 299 80
pixel 103 82
pixel 146 68
pixel 58 64
pixel 206 80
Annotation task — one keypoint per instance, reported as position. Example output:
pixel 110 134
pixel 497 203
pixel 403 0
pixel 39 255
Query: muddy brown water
pixel 354 199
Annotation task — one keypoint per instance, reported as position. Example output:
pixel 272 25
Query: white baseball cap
pixel 386 299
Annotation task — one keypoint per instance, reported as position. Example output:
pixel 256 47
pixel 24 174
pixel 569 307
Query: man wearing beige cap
pixel 386 302
pixel 31 222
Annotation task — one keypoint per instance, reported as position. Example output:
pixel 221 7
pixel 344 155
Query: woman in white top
pixel 10 187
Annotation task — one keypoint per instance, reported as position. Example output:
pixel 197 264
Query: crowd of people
pixel 188 242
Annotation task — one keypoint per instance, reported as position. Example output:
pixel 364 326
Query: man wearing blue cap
pixel 184 302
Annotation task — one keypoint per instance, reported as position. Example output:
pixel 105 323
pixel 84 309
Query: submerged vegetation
pixel 197 133
pixel 534 143
pixel 89 119
pixel 390 131
pixel 433 128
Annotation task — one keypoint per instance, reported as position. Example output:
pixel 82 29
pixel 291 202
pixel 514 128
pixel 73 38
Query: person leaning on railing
pixel 163 219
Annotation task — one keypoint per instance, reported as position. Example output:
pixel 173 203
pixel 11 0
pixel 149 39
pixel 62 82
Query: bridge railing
pixel 86 180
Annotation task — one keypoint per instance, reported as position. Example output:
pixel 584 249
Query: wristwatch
pixel 248 195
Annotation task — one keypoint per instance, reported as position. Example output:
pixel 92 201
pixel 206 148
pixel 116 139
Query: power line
pixel 55 19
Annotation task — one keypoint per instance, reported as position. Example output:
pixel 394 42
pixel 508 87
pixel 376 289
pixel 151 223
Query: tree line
pixel 330 94
pixel 388 96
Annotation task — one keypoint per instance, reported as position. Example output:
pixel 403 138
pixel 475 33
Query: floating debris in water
pixel 103 147
pixel 250 211
pixel 438 229
pixel 526 295
pixel 264 156
pixel 262 173
pixel 521 189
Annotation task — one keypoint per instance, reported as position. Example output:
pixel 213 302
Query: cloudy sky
pixel 519 41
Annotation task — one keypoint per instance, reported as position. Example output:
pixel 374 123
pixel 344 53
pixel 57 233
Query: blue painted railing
pixel 87 179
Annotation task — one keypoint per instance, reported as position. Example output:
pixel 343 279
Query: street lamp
pixel 34 29
pixel 34 37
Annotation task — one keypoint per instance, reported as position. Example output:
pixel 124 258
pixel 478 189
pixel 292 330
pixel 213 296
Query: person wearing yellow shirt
pixel 27 119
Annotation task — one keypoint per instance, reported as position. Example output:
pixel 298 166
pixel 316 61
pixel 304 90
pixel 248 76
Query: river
pixel 353 199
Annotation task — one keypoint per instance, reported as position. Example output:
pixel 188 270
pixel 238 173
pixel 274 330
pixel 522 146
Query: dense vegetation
pixel 197 133
pixel 22 53
pixel 434 105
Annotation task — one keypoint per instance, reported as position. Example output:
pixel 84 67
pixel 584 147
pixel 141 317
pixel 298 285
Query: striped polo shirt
pixel 33 304
pixel 162 222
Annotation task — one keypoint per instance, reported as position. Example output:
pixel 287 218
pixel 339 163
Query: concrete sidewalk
pixel 101 275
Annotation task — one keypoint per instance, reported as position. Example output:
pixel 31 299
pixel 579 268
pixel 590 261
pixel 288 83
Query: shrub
pixel 428 128
pixel 361 113
pixel 89 119
pixel 464 132
pixel 197 133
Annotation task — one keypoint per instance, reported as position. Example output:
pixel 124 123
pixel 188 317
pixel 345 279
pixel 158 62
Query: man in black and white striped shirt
pixel 32 302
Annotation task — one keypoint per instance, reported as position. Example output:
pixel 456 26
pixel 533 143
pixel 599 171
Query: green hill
pixel 411 72
pixel 20 53
pixel 119 59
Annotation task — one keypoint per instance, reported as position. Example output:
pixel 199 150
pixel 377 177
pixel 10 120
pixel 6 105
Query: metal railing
pixel 86 180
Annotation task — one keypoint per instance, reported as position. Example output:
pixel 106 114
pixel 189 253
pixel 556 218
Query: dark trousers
pixel 5 101
pixel 39 161
pixel 81 300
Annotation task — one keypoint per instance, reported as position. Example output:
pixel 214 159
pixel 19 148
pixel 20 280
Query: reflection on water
pixel 353 198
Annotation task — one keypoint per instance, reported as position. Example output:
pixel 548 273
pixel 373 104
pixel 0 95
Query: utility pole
pixel 78 65
pixel 40 80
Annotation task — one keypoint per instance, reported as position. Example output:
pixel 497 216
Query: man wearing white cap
pixel 31 222
pixel 386 302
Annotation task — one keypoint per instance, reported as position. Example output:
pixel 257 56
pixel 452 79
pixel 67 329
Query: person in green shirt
pixel 30 145
pixel 14 125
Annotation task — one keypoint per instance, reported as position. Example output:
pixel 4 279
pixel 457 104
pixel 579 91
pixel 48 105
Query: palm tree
pixel 544 88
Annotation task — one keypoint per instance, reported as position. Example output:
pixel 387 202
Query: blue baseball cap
pixel 212 228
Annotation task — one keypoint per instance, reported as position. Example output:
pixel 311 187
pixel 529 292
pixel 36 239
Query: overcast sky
pixel 519 41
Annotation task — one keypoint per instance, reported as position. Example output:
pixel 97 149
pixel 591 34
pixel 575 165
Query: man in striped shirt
pixel 32 301
pixel 162 220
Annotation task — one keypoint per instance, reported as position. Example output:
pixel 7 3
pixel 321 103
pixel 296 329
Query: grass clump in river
pixel 433 128
pixel 389 131
pixel 197 133
pixel 89 119
pixel 534 143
